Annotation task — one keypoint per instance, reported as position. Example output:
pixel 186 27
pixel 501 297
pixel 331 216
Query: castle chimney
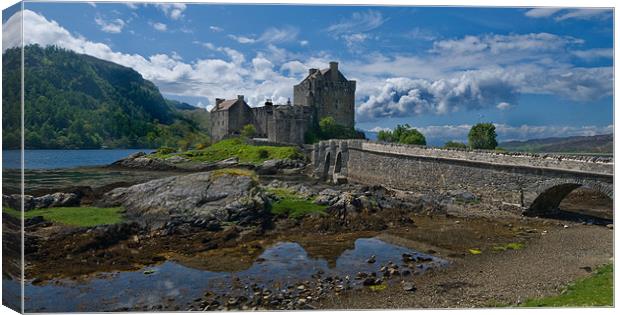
pixel 240 97
pixel 218 101
pixel 333 66
pixel 268 102
pixel 312 71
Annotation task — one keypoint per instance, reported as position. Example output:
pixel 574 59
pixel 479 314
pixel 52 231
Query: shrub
pixel 248 131
pixel 201 146
pixel 455 145
pixel 263 154
pixel 165 150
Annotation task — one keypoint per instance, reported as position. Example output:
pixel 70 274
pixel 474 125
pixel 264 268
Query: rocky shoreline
pixel 222 209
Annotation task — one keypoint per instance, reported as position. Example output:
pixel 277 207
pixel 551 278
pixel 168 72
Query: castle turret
pixel 330 93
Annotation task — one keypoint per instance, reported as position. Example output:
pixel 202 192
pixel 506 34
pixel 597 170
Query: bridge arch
pixel 326 165
pixel 546 196
pixel 338 163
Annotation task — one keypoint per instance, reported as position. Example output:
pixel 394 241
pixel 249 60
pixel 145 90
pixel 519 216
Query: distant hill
pixel 78 101
pixel 577 144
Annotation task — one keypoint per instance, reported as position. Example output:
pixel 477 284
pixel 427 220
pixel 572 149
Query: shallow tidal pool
pixel 173 284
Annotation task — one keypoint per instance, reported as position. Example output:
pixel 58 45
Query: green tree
pixel 248 131
pixel 482 136
pixel 404 134
pixel 455 145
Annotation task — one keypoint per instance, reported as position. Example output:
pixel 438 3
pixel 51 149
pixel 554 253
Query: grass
pixel 292 204
pixel 511 246
pixel 595 290
pixel 74 216
pixel 235 172
pixel 237 147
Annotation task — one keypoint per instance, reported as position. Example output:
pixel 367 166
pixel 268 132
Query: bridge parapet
pixel 513 178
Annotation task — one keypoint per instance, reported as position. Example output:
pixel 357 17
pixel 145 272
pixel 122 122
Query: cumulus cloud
pixel 401 97
pixel 159 26
pixel 303 42
pixel 172 10
pixel 560 14
pixel 110 26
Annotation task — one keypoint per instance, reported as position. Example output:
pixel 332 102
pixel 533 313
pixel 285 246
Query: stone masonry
pixel 536 183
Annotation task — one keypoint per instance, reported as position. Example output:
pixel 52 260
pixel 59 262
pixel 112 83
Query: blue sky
pixel 533 72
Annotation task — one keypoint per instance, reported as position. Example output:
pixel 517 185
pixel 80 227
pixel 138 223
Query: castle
pixel 323 93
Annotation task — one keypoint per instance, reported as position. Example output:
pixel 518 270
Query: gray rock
pixel 58 199
pixel 220 198
pixel 463 196
pixel 409 286
pixel 140 160
pixel 177 159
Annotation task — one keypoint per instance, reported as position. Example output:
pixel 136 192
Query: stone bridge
pixel 536 183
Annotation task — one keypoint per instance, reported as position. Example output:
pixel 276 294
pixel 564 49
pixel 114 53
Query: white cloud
pixel 561 14
pixel 172 10
pixel 159 26
pixel 353 41
pixel 132 5
pixel 215 28
pixel 110 26
pixel 242 39
pixel 541 12
pixel 353 30
pixel 503 106
pixel 585 14
pixel 359 22
pixel 303 42
pixel 595 53
pixel 271 35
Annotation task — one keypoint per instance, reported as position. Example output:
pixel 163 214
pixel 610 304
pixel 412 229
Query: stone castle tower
pixel 321 94
pixel 330 93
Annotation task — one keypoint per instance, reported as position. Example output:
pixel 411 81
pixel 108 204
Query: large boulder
pixel 59 199
pixel 203 198
pixel 281 166
pixel 141 160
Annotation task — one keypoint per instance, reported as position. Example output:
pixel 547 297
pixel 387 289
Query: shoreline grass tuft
pixel 595 290
pixel 73 216
pixel 292 204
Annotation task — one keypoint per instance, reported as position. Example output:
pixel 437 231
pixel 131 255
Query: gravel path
pixel 542 268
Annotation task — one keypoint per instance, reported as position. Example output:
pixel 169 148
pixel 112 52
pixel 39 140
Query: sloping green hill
pixel 578 144
pixel 78 101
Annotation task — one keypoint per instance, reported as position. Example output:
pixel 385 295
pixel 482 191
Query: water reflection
pixel 278 266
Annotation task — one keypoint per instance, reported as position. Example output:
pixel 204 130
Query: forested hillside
pixel 78 101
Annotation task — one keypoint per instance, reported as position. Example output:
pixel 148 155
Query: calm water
pixel 53 159
pixel 283 263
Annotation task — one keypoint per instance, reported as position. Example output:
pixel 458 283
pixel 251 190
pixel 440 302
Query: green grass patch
pixel 595 290
pixel 293 205
pixel 74 216
pixel 511 246
pixel 236 147
pixel 235 172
